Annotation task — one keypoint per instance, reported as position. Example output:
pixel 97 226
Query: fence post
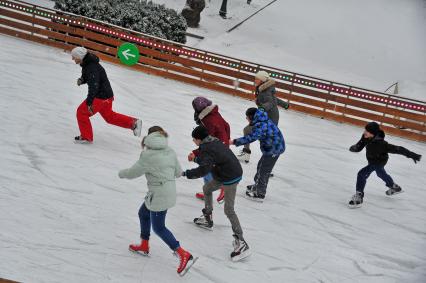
pixel 326 100
pixel 204 62
pixel 32 23
pixel 237 80
pixel 345 105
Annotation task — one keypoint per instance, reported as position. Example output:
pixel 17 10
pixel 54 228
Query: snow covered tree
pixel 142 16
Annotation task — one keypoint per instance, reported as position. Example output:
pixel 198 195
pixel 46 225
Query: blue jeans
pixel 208 178
pixel 157 218
pixel 365 172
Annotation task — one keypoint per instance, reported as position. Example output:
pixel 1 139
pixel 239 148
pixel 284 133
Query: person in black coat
pixel 215 157
pixel 99 98
pixel 377 152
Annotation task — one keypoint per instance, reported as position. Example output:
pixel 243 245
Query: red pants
pixel 104 107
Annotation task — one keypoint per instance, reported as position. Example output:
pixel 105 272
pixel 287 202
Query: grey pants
pixel 264 168
pixel 230 191
pixel 247 130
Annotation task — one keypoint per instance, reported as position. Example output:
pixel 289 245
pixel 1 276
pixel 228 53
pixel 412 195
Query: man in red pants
pixel 99 98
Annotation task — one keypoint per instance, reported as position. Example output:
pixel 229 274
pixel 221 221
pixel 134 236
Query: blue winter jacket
pixel 270 137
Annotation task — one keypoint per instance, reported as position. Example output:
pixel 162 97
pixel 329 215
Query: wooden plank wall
pixel 314 96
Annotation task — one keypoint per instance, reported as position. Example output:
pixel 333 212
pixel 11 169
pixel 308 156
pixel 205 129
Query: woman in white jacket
pixel 160 165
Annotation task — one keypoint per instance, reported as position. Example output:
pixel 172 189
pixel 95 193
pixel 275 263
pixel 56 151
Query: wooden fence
pixel 326 99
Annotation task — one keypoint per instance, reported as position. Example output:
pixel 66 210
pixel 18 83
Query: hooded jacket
pixel 217 158
pixel 265 98
pixel 217 127
pixel 377 149
pixel 215 124
pixel 96 78
pixel 270 137
pixel 160 166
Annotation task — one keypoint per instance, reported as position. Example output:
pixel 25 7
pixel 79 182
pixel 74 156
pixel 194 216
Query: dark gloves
pixel 196 119
pixel 353 148
pixel 416 157
pixel 283 104
pixel 183 173
pixel 80 81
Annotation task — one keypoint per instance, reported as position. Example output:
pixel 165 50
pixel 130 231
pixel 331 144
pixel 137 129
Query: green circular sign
pixel 128 54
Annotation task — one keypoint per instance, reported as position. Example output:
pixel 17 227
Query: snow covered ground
pixel 369 44
pixel 67 217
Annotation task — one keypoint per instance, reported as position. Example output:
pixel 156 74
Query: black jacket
pixel 378 149
pixel 96 78
pixel 217 158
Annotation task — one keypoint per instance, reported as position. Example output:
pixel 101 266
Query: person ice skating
pixel 216 157
pixel 377 152
pixel 272 145
pixel 99 98
pixel 266 99
pixel 191 12
pixel 160 166
pixel 223 9
pixel 208 115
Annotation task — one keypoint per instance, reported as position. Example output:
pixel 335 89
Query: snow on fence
pixel 326 99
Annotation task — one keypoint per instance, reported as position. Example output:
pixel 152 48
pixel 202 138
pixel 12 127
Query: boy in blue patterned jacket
pixel 272 145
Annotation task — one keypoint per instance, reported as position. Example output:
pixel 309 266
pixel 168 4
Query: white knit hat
pixel 262 75
pixel 79 52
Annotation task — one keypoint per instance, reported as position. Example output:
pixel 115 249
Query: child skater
pixel 215 157
pixel 272 145
pixel 207 114
pixel 377 150
pixel 160 165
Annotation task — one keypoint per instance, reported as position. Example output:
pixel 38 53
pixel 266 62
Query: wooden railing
pixel 326 99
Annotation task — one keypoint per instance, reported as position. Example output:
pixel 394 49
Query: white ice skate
pixel 241 249
pixel 137 129
pixel 244 156
pixel 394 190
pixel 356 200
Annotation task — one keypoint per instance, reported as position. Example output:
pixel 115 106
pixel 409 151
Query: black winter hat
pixel 372 128
pixel 250 112
pixel 200 133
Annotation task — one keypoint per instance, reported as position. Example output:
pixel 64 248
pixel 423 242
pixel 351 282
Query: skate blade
pixel 354 206
pixel 241 256
pixel 204 227
pixel 138 130
pixel 243 161
pixel 139 252
pixel 401 191
pixel 254 199
pixel 188 266
pixel 82 142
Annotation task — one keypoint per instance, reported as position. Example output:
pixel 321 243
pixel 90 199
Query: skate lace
pixel 240 247
pixel 356 197
pixel 183 258
pixel 236 244
pixel 242 153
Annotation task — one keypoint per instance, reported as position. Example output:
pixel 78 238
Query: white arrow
pixel 126 53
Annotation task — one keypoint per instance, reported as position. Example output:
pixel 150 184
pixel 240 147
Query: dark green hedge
pixel 142 16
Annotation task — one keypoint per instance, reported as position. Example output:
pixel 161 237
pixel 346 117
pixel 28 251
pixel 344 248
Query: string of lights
pixel 387 100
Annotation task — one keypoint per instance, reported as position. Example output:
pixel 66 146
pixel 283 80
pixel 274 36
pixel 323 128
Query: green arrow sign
pixel 128 54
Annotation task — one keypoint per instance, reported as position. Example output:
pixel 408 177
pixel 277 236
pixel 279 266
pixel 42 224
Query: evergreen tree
pixel 142 16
